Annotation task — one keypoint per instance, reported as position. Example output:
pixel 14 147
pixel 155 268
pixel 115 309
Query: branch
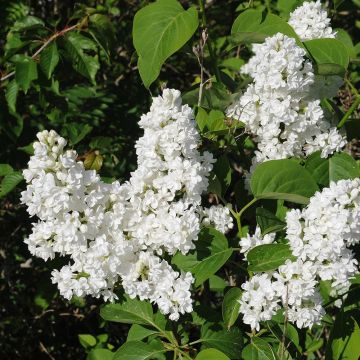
pixel 210 48
pixel 43 46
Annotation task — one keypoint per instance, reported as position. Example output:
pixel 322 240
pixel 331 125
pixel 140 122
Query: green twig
pixel 237 215
pixel 352 87
pixel 352 108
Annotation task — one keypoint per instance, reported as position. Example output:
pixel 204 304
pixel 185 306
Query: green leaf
pixel 77 132
pixel 337 167
pixel 217 283
pixel 343 166
pixel 102 338
pixel 345 38
pixel 28 149
pixel 77 47
pixel 315 345
pixel 229 341
pixel 103 31
pixel 13 44
pixel 268 256
pixel 202 119
pixel 49 58
pixel 87 340
pixel 250 27
pixel 232 63
pixel 273 24
pixel 215 97
pixel 27 23
pixel 319 168
pixel 131 311
pixel 210 265
pixel 100 354
pixel 159 30
pixel 330 55
pixel 290 338
pixel 344 337
pixel 138 332
pixel 268 221
pixel 285 7
pixel 41 301
pixel 231 306
pixel 222 171
pixel 258 349
pixel 5 169
pixel 11 93
pixel 247 21
pixel 93 161
pixel 211 354
pixel 25 72
pixel 214 123
pixel 329 69
pixel 283 179
pixel 137 350
pixel 211 254
pixel 9 182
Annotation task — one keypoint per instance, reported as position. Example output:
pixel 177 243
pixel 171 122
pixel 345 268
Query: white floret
pixel 310 21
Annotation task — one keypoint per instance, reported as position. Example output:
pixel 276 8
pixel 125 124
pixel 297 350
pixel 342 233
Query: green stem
pixel 183 353
pixel 210 48
pixel 162 333
pixel 237 215
pixel 253 201
pixel 352 108
pixel 238 221
pixel 196 342
pixel 352 87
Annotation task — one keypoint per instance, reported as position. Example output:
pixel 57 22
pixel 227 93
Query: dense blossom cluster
pixel 250 241
pixel 280 107
pixel 117 233
pixel 310 21
pixel 122 234
pixel 319 237
pixel 281 110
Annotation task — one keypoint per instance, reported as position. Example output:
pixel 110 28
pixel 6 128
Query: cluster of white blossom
pixel 250 241
pixel 280 107
pixel 323 231
pixel 219 217
pixel 310 21
pixel 319 237
pixel 117 233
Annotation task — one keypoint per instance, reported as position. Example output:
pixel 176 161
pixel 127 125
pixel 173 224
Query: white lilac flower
pixel 319 236
pixel 324 230
pixel 278 108
pixel 308 314
pixel 117 233
pixel 152 278
pixel 259 301
pixel 250 241
pixel 219 217
pixel 310 21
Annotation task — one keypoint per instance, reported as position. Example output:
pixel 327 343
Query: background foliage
pixel 85 84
